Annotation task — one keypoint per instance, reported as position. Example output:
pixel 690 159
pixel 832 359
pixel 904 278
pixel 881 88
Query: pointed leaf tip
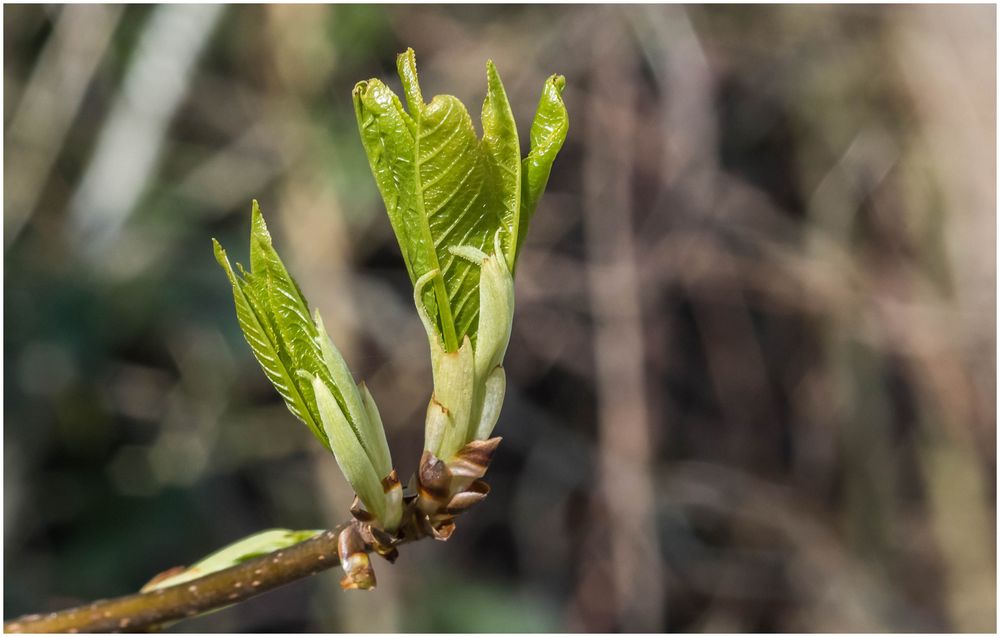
pixel 406 65
pixel 503 156
pixel 219 251
pixel 548 132
pixel 268 308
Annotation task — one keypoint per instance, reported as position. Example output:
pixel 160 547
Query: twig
pixel 145 610
pixel 442 491
pixel 629 581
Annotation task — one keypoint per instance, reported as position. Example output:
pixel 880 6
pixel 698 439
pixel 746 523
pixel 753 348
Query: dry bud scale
pixel 460 206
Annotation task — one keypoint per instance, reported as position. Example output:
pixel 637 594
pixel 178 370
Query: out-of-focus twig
pixel 129 144
pixel 50 103
pixel 625 456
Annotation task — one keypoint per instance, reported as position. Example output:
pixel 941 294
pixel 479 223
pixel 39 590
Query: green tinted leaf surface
pixel 503 156
pixel 274 317
pixel 381 458
pixel 289 313
pixel 444 188
pixel 454 193
pixel 387 136
pixel 434 176
pixel 252 315
pixel 548 132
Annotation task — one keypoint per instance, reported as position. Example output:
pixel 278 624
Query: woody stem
pixel 425 516
pixel 143 611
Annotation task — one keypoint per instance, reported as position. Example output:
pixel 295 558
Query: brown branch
pixel 143 611
pixel 443 491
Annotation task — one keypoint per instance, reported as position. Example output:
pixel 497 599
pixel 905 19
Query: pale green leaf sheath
pixel 496 301
pixel 349 453
pixel 363 418
pixel 469 384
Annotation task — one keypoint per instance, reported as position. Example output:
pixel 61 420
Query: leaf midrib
pixel 444 308
pixel 291 386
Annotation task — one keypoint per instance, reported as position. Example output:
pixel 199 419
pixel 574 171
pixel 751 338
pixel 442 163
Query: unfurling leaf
pixel 469 384
pixel 548 132
pixel 309 372
pixel 444 188
pixel 503 155
pixel 496 315
pixel 275 320
pixel 460 207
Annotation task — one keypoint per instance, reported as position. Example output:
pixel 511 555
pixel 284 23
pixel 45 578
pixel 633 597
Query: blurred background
pixel 752 379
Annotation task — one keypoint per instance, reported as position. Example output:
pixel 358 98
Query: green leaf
pixel 406 65
pixel 255 322
pixel 309 372
pixel 288 310
pixel 503 156
pixel 274 317
pixel 444 188
pixel 435 178
pixel 548 132
pixel 248 548
pixel 387 136
pixel 496 300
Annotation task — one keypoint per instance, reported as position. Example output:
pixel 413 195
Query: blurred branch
pixel 625 453
pixel 144 611
pixel 50 103
pixel 130 142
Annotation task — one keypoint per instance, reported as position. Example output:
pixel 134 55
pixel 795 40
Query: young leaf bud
pixel 350 455
pixel 368 430
pixel 494 388
pixel 496 311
